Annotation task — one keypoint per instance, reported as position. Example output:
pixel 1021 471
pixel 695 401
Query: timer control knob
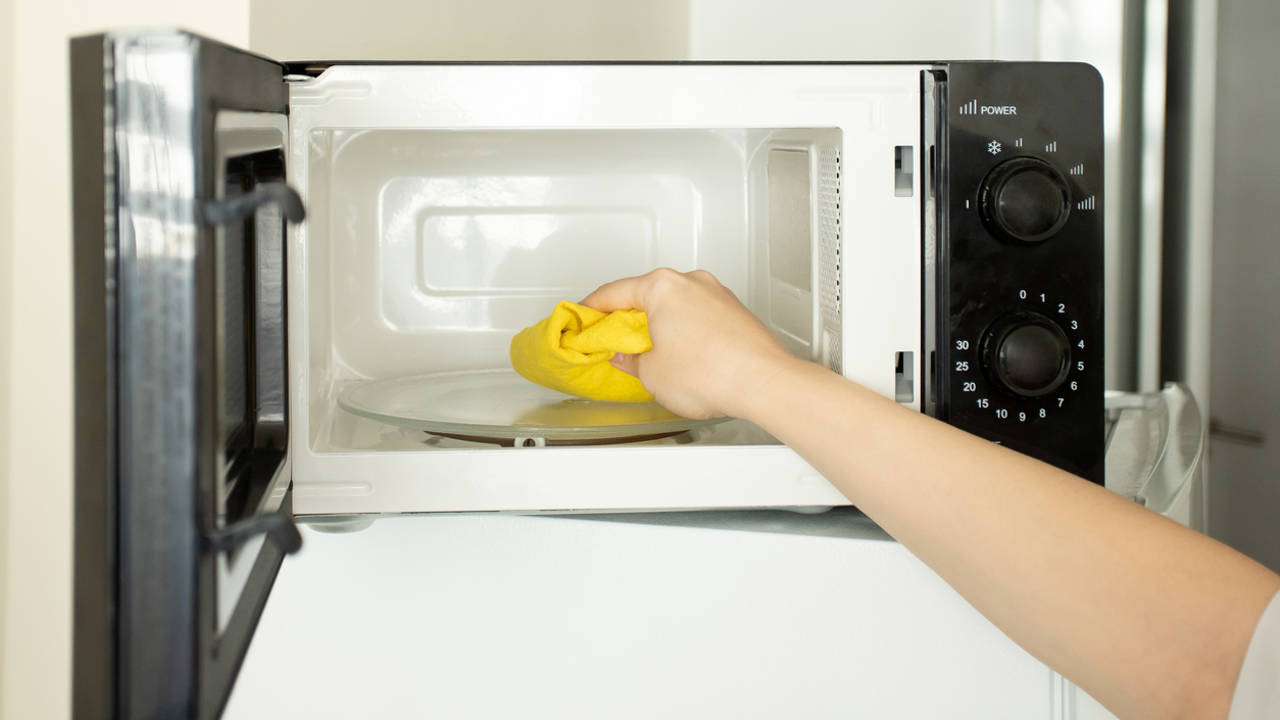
pixel 1027 353
pixel 1025 200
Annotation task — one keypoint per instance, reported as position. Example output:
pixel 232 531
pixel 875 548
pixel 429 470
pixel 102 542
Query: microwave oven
pixel 254 238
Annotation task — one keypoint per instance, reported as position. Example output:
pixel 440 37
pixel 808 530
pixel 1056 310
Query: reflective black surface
pixel 168 399
pixel 1018 211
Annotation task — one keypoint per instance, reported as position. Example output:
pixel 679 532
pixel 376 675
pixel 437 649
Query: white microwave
pixel 930 230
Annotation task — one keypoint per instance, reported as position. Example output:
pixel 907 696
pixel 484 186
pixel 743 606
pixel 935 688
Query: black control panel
pixel 1016 285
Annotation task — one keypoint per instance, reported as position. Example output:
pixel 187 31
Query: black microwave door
pixel 182 469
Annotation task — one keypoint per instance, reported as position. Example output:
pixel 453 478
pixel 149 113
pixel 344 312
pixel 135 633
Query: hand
pixel 709 352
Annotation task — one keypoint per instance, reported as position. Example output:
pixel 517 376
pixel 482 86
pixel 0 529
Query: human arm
pixel 1149 617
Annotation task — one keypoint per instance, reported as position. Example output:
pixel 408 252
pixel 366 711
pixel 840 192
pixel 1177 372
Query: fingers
pixel 632 293
pixel 624 294
pixel 629 364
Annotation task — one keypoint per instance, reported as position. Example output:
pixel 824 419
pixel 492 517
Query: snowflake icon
pixel 994 147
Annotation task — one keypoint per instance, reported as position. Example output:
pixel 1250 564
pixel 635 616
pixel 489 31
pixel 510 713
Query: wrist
pixel 773 381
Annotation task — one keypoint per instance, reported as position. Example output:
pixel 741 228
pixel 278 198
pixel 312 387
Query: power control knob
pixel 1025 200
pixel 1027 353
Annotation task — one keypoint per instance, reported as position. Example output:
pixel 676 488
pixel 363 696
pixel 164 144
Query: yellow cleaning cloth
pixel 570 352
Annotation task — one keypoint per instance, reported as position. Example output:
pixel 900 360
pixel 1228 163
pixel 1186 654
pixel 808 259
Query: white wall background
pixel 469 30
pixel 36 680
pixel 6 298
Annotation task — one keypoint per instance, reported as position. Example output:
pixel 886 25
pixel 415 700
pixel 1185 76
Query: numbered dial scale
pixel 1018 271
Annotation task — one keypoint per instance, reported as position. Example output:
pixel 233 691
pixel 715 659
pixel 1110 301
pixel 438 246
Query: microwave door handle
pixel 278 527
pixel 225 212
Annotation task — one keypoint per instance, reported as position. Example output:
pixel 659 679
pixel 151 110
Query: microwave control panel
pixel 1016 290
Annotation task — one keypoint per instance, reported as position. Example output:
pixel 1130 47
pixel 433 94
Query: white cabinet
pixel 505 617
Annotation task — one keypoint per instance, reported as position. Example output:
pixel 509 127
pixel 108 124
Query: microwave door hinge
pixel 278 527
pixel 226 212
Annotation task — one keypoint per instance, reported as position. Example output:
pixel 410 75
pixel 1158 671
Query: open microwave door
pixel 182 468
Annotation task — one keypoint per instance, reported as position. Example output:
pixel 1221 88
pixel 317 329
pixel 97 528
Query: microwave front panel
pixel 1019 273
pixel 182 457
pixel 452 205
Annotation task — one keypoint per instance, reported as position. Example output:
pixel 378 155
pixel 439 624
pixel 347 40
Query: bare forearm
pixel 1149 617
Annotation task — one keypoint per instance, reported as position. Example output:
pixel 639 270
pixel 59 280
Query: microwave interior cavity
pixel 451 206
pixel 428 249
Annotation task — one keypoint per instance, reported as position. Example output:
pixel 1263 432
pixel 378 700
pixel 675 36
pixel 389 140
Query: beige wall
pixel 36 682
pixel 470 29
pixel 842 29
pixel 6 242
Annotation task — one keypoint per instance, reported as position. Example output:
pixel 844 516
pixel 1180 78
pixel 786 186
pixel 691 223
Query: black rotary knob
pixel 1025 200
pixel 1027 353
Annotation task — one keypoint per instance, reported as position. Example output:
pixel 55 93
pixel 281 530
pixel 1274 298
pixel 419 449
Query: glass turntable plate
pixel 500 406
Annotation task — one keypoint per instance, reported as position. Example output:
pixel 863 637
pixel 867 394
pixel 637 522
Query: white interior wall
pixel 36 680
pixel 469 30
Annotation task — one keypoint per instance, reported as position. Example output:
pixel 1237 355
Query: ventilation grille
pixel 830 260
